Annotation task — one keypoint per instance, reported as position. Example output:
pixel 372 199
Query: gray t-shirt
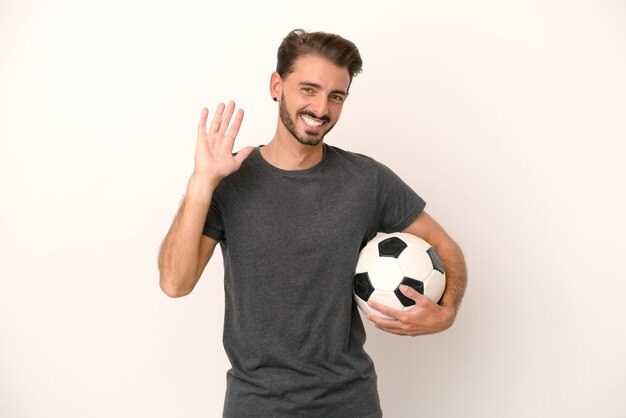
pixel 290 242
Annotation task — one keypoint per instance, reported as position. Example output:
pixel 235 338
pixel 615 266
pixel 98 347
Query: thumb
pixel 243 154
pixel 411 293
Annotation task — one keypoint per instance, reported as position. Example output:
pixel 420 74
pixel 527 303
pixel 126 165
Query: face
pixel 312 97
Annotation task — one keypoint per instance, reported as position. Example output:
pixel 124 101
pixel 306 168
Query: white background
pixel 507 117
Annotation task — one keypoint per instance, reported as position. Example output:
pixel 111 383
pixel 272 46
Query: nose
pixel 320 105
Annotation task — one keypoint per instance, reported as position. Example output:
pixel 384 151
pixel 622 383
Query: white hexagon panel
pixel 389 260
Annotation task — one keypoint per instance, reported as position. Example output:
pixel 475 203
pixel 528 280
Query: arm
pixel 185 251
pixel 427 317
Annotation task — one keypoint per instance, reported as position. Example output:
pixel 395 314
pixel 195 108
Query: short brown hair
pixel 334 48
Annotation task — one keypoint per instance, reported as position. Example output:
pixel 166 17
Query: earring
pixel 275 99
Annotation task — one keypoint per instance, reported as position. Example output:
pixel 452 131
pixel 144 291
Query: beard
pixel 307 137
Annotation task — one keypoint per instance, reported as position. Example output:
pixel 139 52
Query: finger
pixel 410 293
pixel 396 331
pixel 388 325
pixel 382 322
pixel 243 154
pixel 230 109
pixel 384 309
pixel 234 128
pixel 203 117
pixel 413 294
pixel 217 118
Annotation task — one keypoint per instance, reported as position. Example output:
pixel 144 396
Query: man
pixel 290 218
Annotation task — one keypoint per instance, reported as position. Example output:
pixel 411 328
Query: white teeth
pixel 310 121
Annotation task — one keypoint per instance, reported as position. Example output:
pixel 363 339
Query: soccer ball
pixel 389 260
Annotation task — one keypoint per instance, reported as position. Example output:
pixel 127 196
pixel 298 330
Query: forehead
pixel 315 69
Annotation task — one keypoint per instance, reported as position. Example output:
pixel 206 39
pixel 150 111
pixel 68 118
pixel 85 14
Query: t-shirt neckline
pixel 258 159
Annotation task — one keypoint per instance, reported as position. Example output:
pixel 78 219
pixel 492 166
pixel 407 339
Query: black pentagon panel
pixel 434 257
pixel 406 302
pixel 391 247
pixel 415 284
pixel 362 286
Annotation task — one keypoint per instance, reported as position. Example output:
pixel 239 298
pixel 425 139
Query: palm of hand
pixel 214 147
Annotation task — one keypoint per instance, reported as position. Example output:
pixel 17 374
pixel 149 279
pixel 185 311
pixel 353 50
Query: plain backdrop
pixel 508 117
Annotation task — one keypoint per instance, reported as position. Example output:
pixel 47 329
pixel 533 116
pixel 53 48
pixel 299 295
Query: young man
pixel 290 218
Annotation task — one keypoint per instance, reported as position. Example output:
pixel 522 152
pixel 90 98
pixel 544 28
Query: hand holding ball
pixel 389 260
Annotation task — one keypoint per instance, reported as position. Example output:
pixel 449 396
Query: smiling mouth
pixel 312 122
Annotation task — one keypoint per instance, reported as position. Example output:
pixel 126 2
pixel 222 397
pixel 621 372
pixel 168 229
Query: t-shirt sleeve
pixel 397 204
pixel 213 225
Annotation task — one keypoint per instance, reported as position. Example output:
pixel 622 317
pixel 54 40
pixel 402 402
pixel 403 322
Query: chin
pixel 311 141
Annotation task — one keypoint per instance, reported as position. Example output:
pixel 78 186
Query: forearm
pixel 180 251
pixel 456 274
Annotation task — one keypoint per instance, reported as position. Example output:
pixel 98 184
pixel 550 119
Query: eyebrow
pixel 317 86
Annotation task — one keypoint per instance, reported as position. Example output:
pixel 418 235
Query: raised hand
pixel 214 159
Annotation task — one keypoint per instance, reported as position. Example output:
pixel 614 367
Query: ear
pixel 276 85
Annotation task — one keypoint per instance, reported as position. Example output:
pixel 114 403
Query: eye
pixel 307 89
pixel 336 98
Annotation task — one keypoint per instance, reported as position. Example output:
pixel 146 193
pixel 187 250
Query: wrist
pixel 448 317
pixel 201 186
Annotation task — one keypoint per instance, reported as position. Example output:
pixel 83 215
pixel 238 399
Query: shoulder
pixel 361 162
pixel 381 174
pixel 248 171
pixel 349 158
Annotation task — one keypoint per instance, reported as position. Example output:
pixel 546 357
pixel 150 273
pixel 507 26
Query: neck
pixel 286 153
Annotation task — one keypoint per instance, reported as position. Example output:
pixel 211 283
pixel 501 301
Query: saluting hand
pixel 214 159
